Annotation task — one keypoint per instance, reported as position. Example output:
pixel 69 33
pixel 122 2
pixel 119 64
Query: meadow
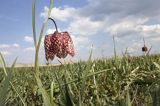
pixel 104 82
pixel 117 81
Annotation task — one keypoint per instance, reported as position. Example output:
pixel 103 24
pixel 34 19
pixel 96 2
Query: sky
pixel 91 24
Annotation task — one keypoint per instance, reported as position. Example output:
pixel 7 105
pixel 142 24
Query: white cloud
pixel 16 45
pixel 5 53
pixel 30 49
pixel 4 46
pixel 150 30
pixel 61 14
pixel 51 31
pixel 84 26
pixel 156 39
pixel 9 46
pixel 80 41
pixel 126 27
pixel 97 16
pixel 28 39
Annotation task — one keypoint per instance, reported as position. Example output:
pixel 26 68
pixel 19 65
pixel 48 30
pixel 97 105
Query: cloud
pixel 4 46
pixel 61 14
pixel 117 9
pixel 15 45
pixel 9 46
pixel 112 16
pixel 51 31
pixel 80 41
pixel 28 39
pixel 84 26
pixel 5 53
pixel 156 39
pixel 135 47
pixel 9 49
pixel 30 49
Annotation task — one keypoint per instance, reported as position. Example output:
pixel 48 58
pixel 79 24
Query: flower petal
pixel 59 44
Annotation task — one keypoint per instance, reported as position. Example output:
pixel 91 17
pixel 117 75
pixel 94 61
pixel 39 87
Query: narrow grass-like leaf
pixel 82 87
pixel 128 100
pixel 12 68
pixel 149 50
pixel 95 83
pixel 51 93
pixel 90 56
pixel 68 98
pixel 7 81
pixel 33 22
pixel 13 64
pixel 59 85
pixel 89 75
pixel 2 62
pixel 18 94
pixel 157 65
pixel 43 26
pixel 4 90
pixel 114 43
pixel 45 96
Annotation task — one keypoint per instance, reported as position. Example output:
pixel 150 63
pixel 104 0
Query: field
pixel 117 81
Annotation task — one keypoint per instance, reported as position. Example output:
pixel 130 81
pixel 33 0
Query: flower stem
pixel 54 23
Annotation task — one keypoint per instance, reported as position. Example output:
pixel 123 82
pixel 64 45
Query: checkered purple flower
pixel 58 44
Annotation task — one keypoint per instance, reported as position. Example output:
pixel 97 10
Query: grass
pixel 98 82
pixel 118 81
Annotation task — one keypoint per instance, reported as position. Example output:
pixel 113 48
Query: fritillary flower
pixel 58 44
pixel 144 48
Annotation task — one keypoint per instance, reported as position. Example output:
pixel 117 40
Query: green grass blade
pixel 14 63
pixel 4 90
pixel 44 24
pixel 33 21
pixel 89 75
pixel 95 83
pixel 128 100
pixel 51 93
pixel 90 56
pixel 45 96
pixel 157 65
pixel 18 94
pixel 12 68
pixel 82 87
pixel 114 43
pixel 68 98
pixel 6 83
pixel 2 62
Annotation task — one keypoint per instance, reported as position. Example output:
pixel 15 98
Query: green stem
pixel 45 96
pixel 33 21
pixel 115 54
pixel 54 23
pixel 40 39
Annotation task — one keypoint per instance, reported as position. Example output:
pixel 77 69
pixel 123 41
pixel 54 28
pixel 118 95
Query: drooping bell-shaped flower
pixel 144 48
pixel 58 44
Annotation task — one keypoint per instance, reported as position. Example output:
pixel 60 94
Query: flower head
pixel 58 44
pixel 144 48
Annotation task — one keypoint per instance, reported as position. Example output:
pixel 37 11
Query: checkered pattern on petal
pixel 49 51
pixel 59 44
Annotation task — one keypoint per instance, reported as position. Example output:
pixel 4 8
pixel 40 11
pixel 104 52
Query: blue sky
pixel 90 22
